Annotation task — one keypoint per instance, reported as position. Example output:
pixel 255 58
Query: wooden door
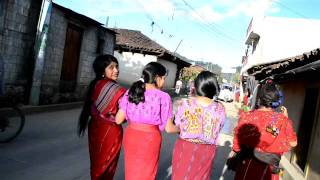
pixel 71 56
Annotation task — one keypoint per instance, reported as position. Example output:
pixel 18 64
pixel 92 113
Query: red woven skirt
pixel 254 169
pixel 105 140
pixel 192 161
pixel 142 145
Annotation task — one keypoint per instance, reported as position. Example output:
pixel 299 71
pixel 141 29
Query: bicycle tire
pixel 16 113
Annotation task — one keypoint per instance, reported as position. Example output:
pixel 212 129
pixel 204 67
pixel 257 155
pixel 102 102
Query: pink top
pixel 156 109
pixel 199 124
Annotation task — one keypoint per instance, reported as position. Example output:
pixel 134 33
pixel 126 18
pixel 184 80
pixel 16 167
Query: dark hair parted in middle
pixel 206 84
pixel 149 74
pixel 268 94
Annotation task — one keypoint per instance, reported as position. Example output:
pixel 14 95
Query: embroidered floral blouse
pixel 197 123
pixel 156 109
pixel 267 131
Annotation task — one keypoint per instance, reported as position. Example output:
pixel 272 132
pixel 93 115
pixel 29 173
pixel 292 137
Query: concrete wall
pixel 294 92
pixel 18 22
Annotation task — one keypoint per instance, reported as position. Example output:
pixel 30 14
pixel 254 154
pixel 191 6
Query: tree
pixel 191 72
pixel 236 78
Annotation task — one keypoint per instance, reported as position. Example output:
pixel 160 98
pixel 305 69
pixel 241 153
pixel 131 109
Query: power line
pixel 212 26
pixel 290 9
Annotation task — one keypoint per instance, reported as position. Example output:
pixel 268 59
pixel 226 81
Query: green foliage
pixel 188 73
pixel 236 78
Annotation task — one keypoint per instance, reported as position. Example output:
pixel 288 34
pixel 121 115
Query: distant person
pixel 148 111
pixel 264 144
pixel 191 88
pixel 98 113
pixel 246 101
pixel 178 87
pixel 200 120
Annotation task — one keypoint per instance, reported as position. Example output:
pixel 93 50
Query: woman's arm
pixel 171 128
pixel 120 117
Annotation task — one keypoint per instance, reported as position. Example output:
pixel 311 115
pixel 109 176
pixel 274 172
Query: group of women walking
pixel 148 111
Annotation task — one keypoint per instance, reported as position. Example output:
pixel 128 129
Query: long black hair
pixel 268 95
pixel 99 65
pixel 206 84
pixel 149 74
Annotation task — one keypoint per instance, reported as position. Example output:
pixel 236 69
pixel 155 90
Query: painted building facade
pixel 134 50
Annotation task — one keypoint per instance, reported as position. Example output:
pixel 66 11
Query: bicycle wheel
pixel 12 124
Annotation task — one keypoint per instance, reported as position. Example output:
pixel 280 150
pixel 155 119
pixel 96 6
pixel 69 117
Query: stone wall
pixel 18 22
pixel 54 57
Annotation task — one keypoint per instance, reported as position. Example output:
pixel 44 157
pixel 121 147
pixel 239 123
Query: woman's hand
pixel 284 111
pixel 171 127
pixel 293 143
pixel 120 117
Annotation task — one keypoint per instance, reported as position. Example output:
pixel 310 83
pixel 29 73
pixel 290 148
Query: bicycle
pixel 12 119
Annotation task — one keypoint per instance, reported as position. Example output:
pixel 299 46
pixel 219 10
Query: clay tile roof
pixel 285 64
pixel 136 41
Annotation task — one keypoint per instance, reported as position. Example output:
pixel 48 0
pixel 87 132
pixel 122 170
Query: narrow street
pixel 48 148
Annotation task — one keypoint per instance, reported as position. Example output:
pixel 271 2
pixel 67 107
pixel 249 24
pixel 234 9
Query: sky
pixel 201 30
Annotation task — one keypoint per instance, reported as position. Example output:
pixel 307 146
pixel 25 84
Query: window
pixel 304 132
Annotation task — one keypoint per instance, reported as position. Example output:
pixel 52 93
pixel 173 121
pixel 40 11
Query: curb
pixel 28 109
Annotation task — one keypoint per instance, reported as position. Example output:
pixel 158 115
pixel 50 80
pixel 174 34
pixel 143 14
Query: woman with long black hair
pixel 105 136
pixel 148 111
pixel 262 136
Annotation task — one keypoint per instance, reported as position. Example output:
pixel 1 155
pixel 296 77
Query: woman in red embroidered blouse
pixel 105 136
pixel 265 131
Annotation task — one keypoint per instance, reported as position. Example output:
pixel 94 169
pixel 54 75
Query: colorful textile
pixel 198 123
pixel 192 161
pixel 106 96
pixel 142 143
pixel 251 132
pixel 156 110
pixel 266 131
pixel 105 136
pixel 254 169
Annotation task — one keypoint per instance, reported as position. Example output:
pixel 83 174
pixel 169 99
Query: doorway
pixel 71 56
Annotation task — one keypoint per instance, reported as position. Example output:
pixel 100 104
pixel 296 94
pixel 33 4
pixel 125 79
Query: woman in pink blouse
pixel 148 111
pixel 200 120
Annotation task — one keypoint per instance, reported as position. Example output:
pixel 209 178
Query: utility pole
pixel 107 21
pixel 177 46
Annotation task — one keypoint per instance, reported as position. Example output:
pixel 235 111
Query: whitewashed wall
pixel 282 38
pixel 131 65
pixel 172 70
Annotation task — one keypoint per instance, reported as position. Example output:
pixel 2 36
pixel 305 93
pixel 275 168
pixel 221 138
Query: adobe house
pixel 134 50
pixel 73 42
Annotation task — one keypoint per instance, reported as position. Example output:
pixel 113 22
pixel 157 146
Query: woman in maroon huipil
pixel 105 136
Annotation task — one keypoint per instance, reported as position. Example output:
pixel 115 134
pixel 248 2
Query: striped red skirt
pixel 254 169
pixel 105 140
pixel 142 145
pixel 192 161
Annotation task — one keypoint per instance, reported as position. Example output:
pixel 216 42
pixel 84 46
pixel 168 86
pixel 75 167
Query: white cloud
pixel 232 8
pixel 252 8
pixel 207 14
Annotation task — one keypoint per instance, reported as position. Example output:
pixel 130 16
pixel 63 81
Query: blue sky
pixel 209 30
